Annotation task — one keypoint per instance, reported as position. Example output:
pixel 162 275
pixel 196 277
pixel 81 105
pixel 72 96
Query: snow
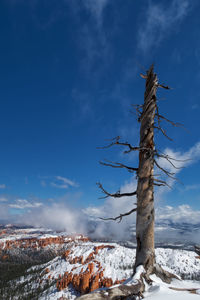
pixel 160 290
pixel 138 273
pixel 118 264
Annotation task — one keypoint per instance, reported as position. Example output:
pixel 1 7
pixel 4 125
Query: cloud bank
pixel 180 223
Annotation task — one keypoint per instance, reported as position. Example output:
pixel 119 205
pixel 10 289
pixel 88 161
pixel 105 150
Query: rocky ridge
pixel 91 278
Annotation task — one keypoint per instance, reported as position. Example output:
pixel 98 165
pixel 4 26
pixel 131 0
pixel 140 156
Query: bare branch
pixel 169 174
pixel 158 153
pixel 169 160
pixel 126 144
pixel 117 142
pixel 137 108
pixel 115 195
pixel 143 76
pixel 160 182
pixel 120 216
pixel 164 86
pixel 117 165
pixel 157 115
pixel 163 132
pixel 169 121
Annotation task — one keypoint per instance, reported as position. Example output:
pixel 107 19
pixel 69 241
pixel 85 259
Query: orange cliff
pixel 36 243
pixel 89 280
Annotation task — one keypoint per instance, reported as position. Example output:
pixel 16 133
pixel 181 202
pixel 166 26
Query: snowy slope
pixel 117 264
pixel 114 261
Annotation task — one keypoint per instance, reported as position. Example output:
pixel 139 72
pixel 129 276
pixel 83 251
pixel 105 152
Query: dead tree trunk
pixel 145 254
pixel 150 119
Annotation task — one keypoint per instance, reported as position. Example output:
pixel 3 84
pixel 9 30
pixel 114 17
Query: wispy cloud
pixel 57 182
pixel 195 106
pixel 43 183
pixel 192 187
pixel 23 203
pixel 92 39
pixel 180 159
pixel 3 199
pixel 159 20
pixel 2 186
pixel 63 183
pixel 96 8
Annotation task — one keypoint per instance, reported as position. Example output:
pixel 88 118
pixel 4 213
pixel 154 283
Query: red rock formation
pixel 89 280
pixel 89 258
pixel 95 283
pixel 76 282
pixel 107 282
pixel 47 270
pixel 91 268
pixel 97 248
pixel 85 282
pixel 76 260
pixel 66 254
pixel 35 243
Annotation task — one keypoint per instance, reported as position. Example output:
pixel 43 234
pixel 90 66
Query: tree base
pixel 133 291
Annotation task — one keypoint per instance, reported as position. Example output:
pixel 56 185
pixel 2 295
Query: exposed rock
pixel 85 282
pixel 36 243
pixel 89 280
pixel 95 283
pixel 97 248
pixel 47 270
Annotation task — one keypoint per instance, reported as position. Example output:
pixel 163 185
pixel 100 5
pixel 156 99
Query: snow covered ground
pixel 118 264
pixel 162 291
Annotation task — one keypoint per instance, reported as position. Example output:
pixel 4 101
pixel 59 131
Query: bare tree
pixel 150 119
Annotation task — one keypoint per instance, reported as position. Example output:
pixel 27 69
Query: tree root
pixel 192 291
pixel 163 274
pixel 156 269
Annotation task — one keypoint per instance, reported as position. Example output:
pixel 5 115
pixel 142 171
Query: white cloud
pixel 23 203
pixel 180 159
pixel 192 187
pixel 172 223
pixel 57 216
pixel 92 39
pixel 180 223
pixel 96 8
pixel 2 186
pixel 3 199
pixel 180 214
pixel 63 182
pixel 159 20
pixel 113 207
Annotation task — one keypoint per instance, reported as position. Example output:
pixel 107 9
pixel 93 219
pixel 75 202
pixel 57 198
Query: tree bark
pixel 145 253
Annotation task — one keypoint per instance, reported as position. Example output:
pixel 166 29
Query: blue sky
pixel 69 72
